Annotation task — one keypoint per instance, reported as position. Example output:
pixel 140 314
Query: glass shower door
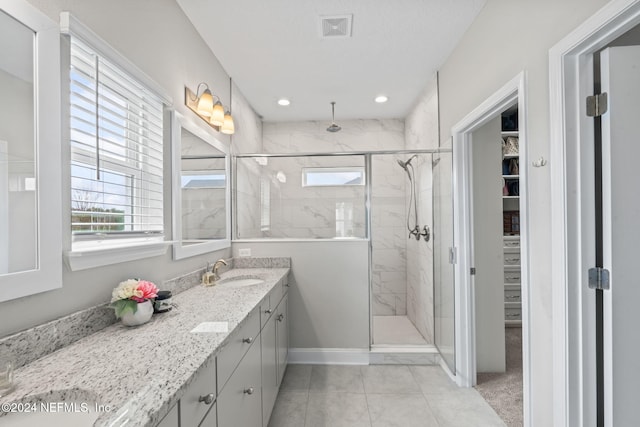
pixel 444 313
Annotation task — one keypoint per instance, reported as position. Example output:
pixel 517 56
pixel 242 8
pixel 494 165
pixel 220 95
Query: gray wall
pixel 509 36
pixel 488 284
pixel 329 293
pixel 171 52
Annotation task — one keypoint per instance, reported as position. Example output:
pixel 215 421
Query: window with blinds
pixel 116 150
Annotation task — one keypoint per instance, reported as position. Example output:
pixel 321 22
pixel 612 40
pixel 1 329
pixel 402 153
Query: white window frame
pixel 83 254
pixel 329 169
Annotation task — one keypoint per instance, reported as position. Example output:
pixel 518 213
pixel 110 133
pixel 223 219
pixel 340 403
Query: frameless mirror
pixel 201 194
pixel 30 186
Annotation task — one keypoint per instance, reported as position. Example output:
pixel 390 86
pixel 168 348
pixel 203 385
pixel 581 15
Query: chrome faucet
pixel 216 266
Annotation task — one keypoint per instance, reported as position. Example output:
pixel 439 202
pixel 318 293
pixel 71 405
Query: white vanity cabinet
pixel 275 351
pixel 240 401
pixel 241 388
pixel 197 405
pixel 269 363
pixel 282 335
pixel 171 419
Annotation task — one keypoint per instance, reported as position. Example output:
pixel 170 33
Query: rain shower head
pixel 334 127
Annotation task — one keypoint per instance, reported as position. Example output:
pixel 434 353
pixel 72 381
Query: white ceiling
pixel 274 49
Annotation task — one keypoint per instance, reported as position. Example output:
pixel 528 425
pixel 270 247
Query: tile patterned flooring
pixel 377 396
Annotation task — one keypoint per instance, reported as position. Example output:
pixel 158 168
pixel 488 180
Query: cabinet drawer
pixel 279 290
pixel 512 293
pixel 512 256
pixel 238 344
pixel 240 403
pixel 511 275
pixel 511 241
pixel 193 406
pixel 266 310
pixel 512 311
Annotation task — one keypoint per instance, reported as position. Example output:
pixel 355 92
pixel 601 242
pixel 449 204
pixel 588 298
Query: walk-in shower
pixel 403 267
pixel 365 196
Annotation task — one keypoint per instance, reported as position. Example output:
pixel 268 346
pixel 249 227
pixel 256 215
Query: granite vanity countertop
pixel 139 373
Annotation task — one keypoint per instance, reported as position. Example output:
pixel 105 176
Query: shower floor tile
pixel 396 330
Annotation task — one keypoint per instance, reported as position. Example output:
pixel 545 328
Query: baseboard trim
pixel 329 356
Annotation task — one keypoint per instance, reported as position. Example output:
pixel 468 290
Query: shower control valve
pixel 426 233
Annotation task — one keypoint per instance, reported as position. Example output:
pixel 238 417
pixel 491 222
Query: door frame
pixel 570 81
pixel 512 92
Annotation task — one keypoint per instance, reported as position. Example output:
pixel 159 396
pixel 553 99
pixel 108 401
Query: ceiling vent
pixel 335 27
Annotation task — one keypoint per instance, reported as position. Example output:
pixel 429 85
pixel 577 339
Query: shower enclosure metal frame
pixel 367 155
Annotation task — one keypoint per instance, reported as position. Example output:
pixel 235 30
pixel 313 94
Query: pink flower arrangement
pixel 129 293
pixel 148 289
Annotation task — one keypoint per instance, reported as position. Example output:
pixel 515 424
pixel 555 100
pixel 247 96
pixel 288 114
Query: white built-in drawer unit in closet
pixel 512 296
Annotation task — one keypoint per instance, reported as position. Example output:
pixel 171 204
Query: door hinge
pixel 473 271
pixel 598 278
pixel 597 105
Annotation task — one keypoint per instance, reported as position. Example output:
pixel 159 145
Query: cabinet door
pixel 171 419
pixel 282 335
pixel 240 403
pixel 210 420
pixel 269 368
pixel 198 397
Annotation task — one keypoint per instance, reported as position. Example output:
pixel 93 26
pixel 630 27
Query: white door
pixel 620 79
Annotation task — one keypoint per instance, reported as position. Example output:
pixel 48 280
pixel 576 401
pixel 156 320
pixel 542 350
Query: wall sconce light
pixel 209 108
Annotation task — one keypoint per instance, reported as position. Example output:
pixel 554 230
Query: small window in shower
pixel 332 177
pixel 203 179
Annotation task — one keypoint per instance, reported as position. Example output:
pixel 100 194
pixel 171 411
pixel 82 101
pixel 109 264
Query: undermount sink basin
pixel 240 282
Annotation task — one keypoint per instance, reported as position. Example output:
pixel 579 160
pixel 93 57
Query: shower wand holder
pixel 425 233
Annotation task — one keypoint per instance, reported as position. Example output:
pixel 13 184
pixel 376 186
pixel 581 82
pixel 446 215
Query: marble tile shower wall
pixel 311 136
pixel 389 237
pixel 420 256
pixel 248 203
pixel 388 204
pixel 421 131
pixel 247 139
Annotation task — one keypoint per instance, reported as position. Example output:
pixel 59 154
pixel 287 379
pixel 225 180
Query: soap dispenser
pixel 207 277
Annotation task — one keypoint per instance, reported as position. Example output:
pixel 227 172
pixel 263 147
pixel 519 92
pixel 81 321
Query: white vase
pixel 142 315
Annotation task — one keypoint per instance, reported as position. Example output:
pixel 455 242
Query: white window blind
pixel 116 149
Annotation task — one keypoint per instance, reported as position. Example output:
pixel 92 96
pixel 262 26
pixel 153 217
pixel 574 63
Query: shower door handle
pixel 453 256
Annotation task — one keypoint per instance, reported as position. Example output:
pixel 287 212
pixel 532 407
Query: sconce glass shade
pixel 228 127
pixel 217 118
pixel 205 104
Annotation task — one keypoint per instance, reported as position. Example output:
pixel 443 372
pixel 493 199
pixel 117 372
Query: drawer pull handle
pixel 512 297
pixel 511 260
pixel 513 277
pixel 280 318
pixel 268 311
pixel 250 390
pixel 247 340
pixel 208 399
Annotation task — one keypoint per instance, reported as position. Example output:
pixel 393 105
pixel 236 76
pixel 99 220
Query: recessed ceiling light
pixel 381 99
pixel 283 102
